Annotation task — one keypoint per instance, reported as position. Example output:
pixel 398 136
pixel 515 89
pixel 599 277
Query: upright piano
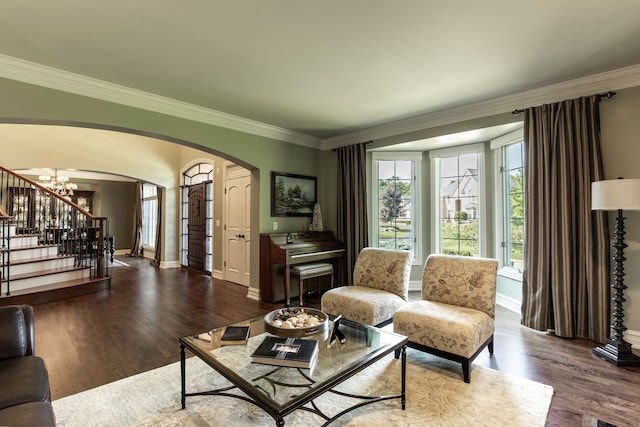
pixel 280 251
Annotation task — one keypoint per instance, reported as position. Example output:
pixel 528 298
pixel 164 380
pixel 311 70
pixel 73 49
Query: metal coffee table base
pixel 279 417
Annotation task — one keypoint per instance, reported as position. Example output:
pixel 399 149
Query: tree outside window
pixel 395 204
pixel 514 202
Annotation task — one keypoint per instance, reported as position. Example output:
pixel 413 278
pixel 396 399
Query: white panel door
pixel 238 229
pixel 246 231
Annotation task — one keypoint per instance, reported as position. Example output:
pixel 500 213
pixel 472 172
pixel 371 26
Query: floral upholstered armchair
pixel 455 318
pixel 380 287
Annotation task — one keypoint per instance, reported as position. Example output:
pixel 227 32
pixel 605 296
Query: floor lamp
pixel 617 195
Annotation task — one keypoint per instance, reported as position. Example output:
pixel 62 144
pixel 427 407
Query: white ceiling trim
pixel 41 75
pixel 79 174
pixel 52 78
pixel 597 83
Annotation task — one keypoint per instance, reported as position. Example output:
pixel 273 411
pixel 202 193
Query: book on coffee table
pixel 293 352
pixel 235 335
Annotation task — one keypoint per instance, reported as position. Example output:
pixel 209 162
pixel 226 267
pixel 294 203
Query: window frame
pixel 498 146
pixel 149 229
pixel 416 198
pixel 434 157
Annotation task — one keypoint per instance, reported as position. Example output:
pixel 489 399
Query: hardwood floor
pixel 94 339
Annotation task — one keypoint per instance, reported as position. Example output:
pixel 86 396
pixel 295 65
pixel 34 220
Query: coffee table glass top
pixel 281 387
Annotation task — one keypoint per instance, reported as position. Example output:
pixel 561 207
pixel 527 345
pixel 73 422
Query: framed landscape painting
pixel 293 195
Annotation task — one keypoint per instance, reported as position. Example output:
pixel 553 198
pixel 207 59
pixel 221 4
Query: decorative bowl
pixel 271 324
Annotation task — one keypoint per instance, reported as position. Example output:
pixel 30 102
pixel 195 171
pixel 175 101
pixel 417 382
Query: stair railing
pixel 5 248
pixel 35 210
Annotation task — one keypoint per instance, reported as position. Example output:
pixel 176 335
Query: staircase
pixel 50 248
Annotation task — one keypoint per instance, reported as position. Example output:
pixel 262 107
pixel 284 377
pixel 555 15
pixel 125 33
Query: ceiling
pixel 325 68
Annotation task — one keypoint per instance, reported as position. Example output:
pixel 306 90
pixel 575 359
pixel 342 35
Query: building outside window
pixel 458 200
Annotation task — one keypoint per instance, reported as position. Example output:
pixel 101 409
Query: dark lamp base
pixel 618 353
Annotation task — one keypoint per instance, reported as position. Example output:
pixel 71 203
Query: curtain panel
pixel 158 244
pixel 353 226
pixel 136 237
pixel 566 278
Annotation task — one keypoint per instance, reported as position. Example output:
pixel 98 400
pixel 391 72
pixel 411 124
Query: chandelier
pixel 58 184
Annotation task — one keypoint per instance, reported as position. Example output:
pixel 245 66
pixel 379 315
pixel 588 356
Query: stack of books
pixel 235 335
pixel 293 352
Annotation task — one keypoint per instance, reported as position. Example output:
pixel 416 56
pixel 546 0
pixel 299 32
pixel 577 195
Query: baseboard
pixel 253 293
pixel 633 338
pixel 169 264
pixel 415 285
pixel 509 303
pixel 217 274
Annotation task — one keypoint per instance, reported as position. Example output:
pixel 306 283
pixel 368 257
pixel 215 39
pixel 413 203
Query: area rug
pixel 436 396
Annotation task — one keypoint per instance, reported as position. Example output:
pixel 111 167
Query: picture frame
pixel 292 194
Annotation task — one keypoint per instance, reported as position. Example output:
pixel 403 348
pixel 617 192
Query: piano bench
pixel 309 271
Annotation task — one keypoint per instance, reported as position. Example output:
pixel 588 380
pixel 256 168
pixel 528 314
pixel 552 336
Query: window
pixel 458 200
pixel 513 175
pixel 395 210
pixel 149 215
pixel 511 201
pixel 201 173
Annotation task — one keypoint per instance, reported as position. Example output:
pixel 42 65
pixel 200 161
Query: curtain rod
pixel 366 143
pixel 609 94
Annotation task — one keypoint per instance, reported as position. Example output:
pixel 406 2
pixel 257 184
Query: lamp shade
pixel 614 194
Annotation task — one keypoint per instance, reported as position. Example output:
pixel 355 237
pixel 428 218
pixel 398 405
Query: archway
pixel 83 148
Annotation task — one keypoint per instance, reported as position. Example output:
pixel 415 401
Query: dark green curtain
pixel 566 278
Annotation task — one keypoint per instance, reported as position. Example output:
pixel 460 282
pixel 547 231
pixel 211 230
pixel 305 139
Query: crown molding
pixel 52 78
pixel 612 80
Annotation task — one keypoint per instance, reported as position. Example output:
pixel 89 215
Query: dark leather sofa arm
pixel 25 396
pixel 16 331
pixel 27 311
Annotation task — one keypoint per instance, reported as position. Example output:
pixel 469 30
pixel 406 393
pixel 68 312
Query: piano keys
pixel 280 251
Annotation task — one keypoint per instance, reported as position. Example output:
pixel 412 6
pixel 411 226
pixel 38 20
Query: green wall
pixel 25 103
pixel 510 288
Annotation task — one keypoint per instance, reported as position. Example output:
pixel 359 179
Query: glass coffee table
pixel 281 390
